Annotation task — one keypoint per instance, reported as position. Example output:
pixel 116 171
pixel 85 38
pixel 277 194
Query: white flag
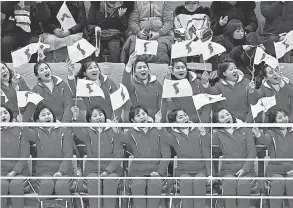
pixel 261 56
pixel 98 32
pixel 80 50
pixel 5 97
pixel 25 97
pixel 42 47
pixel 87 88
pixel 263 104
pixel 285 45
pixel 146 47
pixel 203 99
pixel 119 97
pixel 186 48
pixel 23 55
pixel 65 18
pixel 211 49
pixel 176 88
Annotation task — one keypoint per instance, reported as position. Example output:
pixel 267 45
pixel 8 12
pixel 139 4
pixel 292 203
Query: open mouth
pixel 4 120
pixel 48 121
pixel 143 74
pixel 47 75
pixel 95 74
pixel 181 74
pixel 4 75
pixel 235 75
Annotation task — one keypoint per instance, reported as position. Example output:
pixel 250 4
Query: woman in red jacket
pixel 52 142
pixel 13 145
pixel 100 143
pixel 235 143
pixel 190 143
pixel 280 145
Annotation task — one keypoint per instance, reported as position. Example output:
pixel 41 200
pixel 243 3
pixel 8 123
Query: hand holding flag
pixel 146 47
pixel 65 18
pixel 25 97
pixel 87 88
pixel 176 88
pixel 42 47
pixel 263 104
pixel 119 97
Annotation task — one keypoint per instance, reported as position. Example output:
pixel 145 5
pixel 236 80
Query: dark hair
pixel 38 110
pixel 11 74
pixel 233 25
pixel 174 61
pixel 89 113
pixel 139 60
pixel 273 114
pixel 9 111
pixel 223 66
pixel 216 115
pixel 173 114
pixel 80 74
pixel 134 110
pixel 37 65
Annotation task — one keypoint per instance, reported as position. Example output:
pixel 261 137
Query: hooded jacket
pixel 146 145
pixel 279 146
pixel 242 10
pixel 54 143
pixel 13 145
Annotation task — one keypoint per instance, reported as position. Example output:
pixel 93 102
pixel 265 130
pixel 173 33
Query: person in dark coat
pixel 224 11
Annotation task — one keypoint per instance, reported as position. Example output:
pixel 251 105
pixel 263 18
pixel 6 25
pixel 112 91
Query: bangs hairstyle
pixel 173 114
pixel 11 74
pixel 216 115
pixel 39 108
pixel 134 110
pixel 263 71
pixel 233 25
pixel 9 111
pixel 273 114
pixel 90 112
pixel 223 66
pixel 140 59
pixel 37 65
pixel 80 74
pixel 182 60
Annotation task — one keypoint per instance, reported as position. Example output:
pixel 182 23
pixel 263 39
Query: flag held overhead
pixel 80 50
pixel 119 97
pixel 261 56
pixel 87 88
pixel 65 18
pixel 146 47
pixel 25 97
pixel 285 45
pixel 176 88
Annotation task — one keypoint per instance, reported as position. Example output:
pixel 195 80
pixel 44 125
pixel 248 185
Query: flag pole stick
pixel 198 116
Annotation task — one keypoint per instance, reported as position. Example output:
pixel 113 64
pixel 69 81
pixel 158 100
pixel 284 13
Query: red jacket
pixel 56 143
pixel 13 145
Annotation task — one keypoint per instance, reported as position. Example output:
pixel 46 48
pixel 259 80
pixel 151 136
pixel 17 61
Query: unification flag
pixel 211 49
pixel 25 97
pixel 263 104
pixel 119 97
pixel 261 56
pixel 42 47
pixel 65 18
pixel 203 99
pixel 87 88
pixel 176 88
pixel 80 50
pixel 23 55
pixel 285 45
pixel 146 47
pixel 4 96
pixel 186 48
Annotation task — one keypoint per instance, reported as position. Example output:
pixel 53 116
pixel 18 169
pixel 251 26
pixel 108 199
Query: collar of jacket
pixel 98 130
pixel 151 78
pixel 150 120
pixel 56 80
pixel 291 130
pixel 177 131
pixel 55 127
pixel 192 76
pixel 284 80
pixel 240 78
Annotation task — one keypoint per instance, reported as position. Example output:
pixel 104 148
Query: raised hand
pixel 223 21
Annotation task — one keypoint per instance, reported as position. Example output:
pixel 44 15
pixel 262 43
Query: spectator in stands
pixel 150 21
pixel 279 144
pixel 10 84
pixel 111 17
pixel 224 11
pixel 102 143
pixel 275 84
pixel 145 143
pixel 20 26
pixel 13 145
pixel 54 90
pixel 144 88
pixel 179 71
pixel 190 143
pixel 189 18
pixel 235 143
pixel 52 142
pixel 238 90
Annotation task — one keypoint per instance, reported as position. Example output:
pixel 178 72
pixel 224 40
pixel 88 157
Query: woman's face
pixel 97 116
pixel 182 117
pixel 191 6
pixel 46 116
pixel 281 117
pixel 4 115
pixel 179 70
pixel 44 73
pixel 141 70
pixel 5 76
pixel 224 116
pixel 238 34
pixel 272 75
pixel 92 72
pixel 140 117
pixel 231 73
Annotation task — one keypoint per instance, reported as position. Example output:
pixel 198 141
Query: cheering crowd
pixel 246 84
